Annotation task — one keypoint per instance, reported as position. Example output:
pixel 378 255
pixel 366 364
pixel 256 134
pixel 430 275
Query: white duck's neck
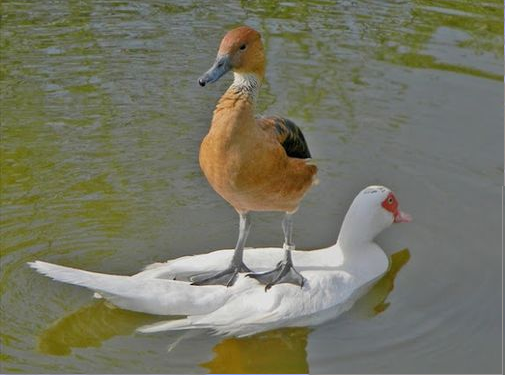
pixel 357 231
pixel 365 260
pixel 356 238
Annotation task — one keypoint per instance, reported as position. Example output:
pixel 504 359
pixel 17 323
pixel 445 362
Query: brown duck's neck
pixel 236 107
pixel 245 88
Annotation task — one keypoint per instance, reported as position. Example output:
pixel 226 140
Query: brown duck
pixel 254 164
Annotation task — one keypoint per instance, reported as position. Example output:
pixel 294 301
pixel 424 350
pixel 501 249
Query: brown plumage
pixel 288 134
pixel 254 164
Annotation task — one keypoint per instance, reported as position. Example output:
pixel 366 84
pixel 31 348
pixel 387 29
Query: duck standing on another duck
pixel 254 164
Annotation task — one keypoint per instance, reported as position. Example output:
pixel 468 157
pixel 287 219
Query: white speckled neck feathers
pixel 247 85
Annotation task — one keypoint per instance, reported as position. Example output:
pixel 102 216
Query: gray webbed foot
pixel 283 273
pixel 226 277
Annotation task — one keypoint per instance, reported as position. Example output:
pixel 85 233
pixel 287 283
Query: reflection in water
pixel 277 351
pixel 89 327
pixel 374 302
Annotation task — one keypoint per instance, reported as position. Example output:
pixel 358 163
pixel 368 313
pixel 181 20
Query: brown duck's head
pixel 241 51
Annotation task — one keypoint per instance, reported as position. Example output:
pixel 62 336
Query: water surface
pixel 101 120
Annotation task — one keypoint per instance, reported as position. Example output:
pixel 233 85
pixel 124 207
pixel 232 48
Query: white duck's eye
pixel 390 200
pixel 242 47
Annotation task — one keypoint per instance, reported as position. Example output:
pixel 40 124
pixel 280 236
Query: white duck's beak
pixel 402 217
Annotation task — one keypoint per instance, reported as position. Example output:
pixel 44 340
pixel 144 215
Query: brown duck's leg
pixel 284 272
pixel 229 275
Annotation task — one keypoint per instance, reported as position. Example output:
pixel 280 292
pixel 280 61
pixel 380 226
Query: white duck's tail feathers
pixel 62 273
pixel 149 295
pixel 87 279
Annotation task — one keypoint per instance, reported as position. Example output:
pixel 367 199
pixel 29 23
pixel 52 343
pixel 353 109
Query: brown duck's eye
pixel 242 47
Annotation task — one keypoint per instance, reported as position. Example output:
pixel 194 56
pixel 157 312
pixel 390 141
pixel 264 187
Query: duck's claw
pixel 283 273
pixel 226 277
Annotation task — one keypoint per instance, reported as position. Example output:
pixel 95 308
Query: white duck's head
pixel 374 209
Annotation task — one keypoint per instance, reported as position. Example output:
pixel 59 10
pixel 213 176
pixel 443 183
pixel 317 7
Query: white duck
pixel 335 278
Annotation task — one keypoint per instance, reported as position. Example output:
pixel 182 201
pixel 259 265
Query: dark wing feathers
pixel 288 134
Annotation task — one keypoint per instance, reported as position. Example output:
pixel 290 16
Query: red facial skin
pixel 391 204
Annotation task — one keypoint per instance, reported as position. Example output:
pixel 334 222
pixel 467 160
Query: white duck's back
pixel 328 291
pixel 332 286
pixel 259 259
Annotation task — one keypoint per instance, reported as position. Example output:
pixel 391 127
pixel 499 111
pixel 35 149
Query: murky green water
pixel 101 123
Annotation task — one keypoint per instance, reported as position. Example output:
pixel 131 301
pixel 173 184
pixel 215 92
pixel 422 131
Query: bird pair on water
pixel 256 165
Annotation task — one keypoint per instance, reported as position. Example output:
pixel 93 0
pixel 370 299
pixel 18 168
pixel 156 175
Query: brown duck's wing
pixel 288 134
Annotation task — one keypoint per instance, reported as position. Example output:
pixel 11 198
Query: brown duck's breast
pixel 247 165
pixel 255 175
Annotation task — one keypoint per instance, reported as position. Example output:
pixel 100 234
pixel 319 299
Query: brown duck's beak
pixel 220 68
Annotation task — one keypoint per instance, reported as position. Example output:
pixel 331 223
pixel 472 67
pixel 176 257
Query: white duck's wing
pixel 253 304
pixel 186 266
pixel 149 295
pixel 258 260
pixel 254 310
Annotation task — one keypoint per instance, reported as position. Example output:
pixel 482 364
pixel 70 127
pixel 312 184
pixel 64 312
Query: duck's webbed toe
pixel 226 277
pixel 283 273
